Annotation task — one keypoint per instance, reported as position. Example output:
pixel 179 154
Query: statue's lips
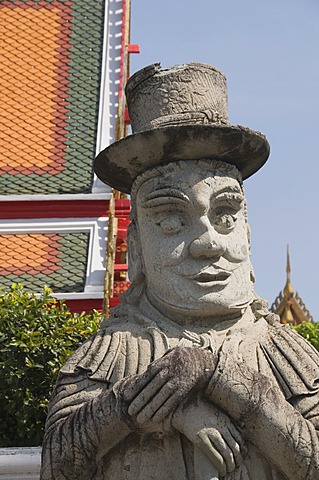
pixel 208 277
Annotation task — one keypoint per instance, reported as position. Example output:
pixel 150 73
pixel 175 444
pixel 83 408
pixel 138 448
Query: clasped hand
pixel 167 381
pixel 212 431
pixel 170 388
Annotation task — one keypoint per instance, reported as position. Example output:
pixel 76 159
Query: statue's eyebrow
pixel 164 196
pixel 230 193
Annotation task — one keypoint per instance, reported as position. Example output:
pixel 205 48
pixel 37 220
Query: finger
pixel 235 435
pixel 172 402
pixel 138 382
pixel 219 443
pixel 134 386
pixel 155 406
pixel 236 445
pixel 212 453
pixel 236 450
pixel 146 394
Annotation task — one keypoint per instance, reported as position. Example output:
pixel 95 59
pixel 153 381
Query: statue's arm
pixel 84 423
pixel 285 437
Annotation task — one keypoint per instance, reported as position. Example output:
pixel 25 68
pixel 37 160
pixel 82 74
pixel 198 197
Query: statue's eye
pixel 225 222
pixel 171 224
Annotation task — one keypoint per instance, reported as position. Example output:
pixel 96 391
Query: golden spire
pixel 288 290
pixel 288 305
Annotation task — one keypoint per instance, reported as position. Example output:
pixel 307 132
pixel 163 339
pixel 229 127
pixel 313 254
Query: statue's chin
pixel 219 309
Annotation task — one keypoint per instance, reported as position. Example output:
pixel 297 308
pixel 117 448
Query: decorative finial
pixel 288 270
pixel 288 290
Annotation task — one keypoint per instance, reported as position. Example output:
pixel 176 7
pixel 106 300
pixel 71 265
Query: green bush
pixel 310 331
pixel 37 334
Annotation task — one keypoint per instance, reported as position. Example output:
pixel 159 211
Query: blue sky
pixel 269 54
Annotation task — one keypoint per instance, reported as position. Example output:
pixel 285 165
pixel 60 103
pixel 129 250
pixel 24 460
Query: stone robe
pixel 81 444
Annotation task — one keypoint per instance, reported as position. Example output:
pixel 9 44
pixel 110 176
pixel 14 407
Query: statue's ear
pixel 135 256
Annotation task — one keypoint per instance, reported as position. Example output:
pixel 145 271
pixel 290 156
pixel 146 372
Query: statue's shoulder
pixel 284 332
pixel 293 359
pixel 281 335
pixel 280 352
pixel 125 345
pixel 106 342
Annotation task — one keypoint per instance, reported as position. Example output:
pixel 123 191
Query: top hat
pixel 179 113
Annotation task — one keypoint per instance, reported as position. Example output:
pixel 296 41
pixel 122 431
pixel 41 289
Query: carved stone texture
pixel 191 378
pixel 194 93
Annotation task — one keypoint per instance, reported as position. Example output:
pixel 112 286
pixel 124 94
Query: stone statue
pixel 191 378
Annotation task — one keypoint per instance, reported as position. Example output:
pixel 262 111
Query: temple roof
pixel 49 88
pixel 61 65
pixel 288 304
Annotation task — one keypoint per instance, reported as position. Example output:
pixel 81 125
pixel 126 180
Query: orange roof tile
pixel 34 71
pixel 27 253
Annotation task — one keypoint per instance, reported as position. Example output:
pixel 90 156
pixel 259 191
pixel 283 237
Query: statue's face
pixel 194 243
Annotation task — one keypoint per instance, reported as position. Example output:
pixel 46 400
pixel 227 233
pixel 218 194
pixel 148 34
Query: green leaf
pixel 310 331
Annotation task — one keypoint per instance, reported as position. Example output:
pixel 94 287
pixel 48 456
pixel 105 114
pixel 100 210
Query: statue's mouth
pixel 207 276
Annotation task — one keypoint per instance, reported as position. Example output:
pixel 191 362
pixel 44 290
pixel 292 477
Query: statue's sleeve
pixel 279 415
pixel 85 420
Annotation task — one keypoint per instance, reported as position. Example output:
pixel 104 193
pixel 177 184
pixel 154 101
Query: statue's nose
pixel 209 244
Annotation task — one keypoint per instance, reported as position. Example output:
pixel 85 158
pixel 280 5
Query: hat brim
pixel 119 164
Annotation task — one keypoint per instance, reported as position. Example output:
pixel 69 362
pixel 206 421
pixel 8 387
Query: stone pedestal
pixel 20 463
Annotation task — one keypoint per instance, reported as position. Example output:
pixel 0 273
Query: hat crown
pixel 189 94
